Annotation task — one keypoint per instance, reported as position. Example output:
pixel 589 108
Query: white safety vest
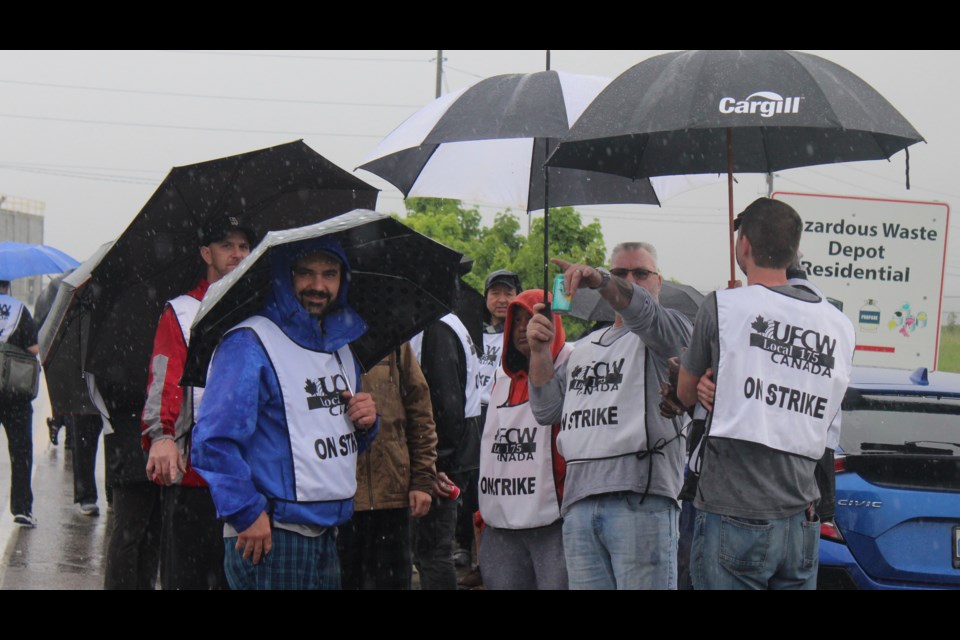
pixel 517 485
pixel 185 308
pixel 322 441
pixel 471 407
pixel 784 366
pixel 604 402
pixel 10 311
pixel 489 363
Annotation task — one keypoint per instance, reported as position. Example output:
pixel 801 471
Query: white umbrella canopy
pixel 487 144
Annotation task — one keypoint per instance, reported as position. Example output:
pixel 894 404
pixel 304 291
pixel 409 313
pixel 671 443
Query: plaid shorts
pixel 295 562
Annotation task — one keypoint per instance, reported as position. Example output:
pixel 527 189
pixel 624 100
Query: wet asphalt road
pixel 66 550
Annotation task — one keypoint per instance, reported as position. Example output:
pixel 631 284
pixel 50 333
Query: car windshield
pixel 872 421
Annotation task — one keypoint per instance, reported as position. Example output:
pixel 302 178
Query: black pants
pixel 375 550
pixel 16 414
pixel 191 543
pixel 133 553
pixel 433 545
pixel 86 435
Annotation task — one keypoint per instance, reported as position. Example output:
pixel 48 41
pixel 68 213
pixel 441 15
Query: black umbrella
pixel 401 281
pixel 66 384
pixel 732 111
pixel 157 257
pixel 588 304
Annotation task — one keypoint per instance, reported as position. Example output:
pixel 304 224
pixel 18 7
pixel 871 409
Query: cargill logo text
pixel 766 103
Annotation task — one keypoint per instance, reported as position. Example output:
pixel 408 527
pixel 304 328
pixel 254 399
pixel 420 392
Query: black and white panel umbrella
pixel 487 144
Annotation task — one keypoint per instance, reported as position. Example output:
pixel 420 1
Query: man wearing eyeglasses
pixel 624 460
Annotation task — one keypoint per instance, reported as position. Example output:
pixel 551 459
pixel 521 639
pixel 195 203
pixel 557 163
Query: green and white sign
pixel 883 260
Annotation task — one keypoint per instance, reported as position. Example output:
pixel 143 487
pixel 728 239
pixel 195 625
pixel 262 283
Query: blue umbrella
pixel 22 259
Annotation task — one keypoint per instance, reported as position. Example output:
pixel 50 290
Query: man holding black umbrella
pixel 191 554
pixel 281 425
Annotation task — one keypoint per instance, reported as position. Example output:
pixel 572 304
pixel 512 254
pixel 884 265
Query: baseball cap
pixel 503 276
pixel 219 227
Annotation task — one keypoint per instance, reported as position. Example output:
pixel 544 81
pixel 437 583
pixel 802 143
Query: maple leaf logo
pixel 760 325
pixel 311 387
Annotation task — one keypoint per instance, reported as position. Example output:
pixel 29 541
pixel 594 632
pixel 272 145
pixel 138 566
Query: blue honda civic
pixel 897 522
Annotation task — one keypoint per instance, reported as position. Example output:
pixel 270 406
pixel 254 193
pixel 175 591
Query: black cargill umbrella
pixel 697 112
pixel 157 257
pixel 588 304
pixel 401 281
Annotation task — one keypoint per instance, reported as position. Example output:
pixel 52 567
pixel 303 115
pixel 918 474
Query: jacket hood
pixel 515 364
pixel 337 328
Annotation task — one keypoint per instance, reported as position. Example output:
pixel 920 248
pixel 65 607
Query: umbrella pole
pixel 546 220
pixel 732 282
pixel 546 234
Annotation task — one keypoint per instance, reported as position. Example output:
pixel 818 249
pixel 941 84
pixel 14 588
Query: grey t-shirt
pixel 664 332
pixel 739 478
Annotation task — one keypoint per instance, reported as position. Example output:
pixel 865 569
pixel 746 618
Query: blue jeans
pixel 615 541
pixel 739 553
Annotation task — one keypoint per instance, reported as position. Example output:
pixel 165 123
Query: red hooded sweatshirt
pixel 516 366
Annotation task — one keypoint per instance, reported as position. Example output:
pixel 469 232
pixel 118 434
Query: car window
pixel 898 419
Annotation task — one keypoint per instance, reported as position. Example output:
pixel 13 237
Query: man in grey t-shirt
pixel 624 460
pixel 757 485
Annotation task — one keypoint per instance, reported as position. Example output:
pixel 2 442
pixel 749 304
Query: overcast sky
pixel 92 134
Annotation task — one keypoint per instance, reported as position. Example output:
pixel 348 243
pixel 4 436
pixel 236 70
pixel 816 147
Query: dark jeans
pixel 191 541
pixel 469 483
pixel 133 553
pixel 86 436
pixel 433 546
pixel 375 550
pixel 17 417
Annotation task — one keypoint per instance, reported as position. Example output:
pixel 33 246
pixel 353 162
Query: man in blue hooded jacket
pixel 278 432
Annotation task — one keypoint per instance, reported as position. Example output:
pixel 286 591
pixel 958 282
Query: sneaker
pixel 89 509
pixel 53 429
pixel 25 520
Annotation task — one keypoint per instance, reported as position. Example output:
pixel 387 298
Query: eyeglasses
pixel 638 274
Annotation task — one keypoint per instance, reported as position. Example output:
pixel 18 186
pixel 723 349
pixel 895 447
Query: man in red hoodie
pixel 521 471
pixel 191 554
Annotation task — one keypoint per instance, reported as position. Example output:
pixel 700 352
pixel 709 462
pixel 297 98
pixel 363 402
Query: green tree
pixel 502 245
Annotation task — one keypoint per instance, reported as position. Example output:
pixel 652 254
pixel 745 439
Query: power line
pixel 208 96
pixel 84 176
pixel 844 182
pixel 291 57
pixel 12 163
pixel 892 180
pixel 463 71
pixel 188 128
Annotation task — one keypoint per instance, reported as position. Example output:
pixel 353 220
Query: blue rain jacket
pixel 241 445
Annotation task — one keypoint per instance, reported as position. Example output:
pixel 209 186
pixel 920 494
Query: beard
pixel 317 303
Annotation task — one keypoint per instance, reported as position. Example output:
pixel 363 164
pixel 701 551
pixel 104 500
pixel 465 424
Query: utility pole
pixel 439 70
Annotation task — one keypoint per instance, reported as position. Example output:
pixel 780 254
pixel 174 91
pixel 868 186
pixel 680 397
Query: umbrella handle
pixel 346 378
pixel 546 312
